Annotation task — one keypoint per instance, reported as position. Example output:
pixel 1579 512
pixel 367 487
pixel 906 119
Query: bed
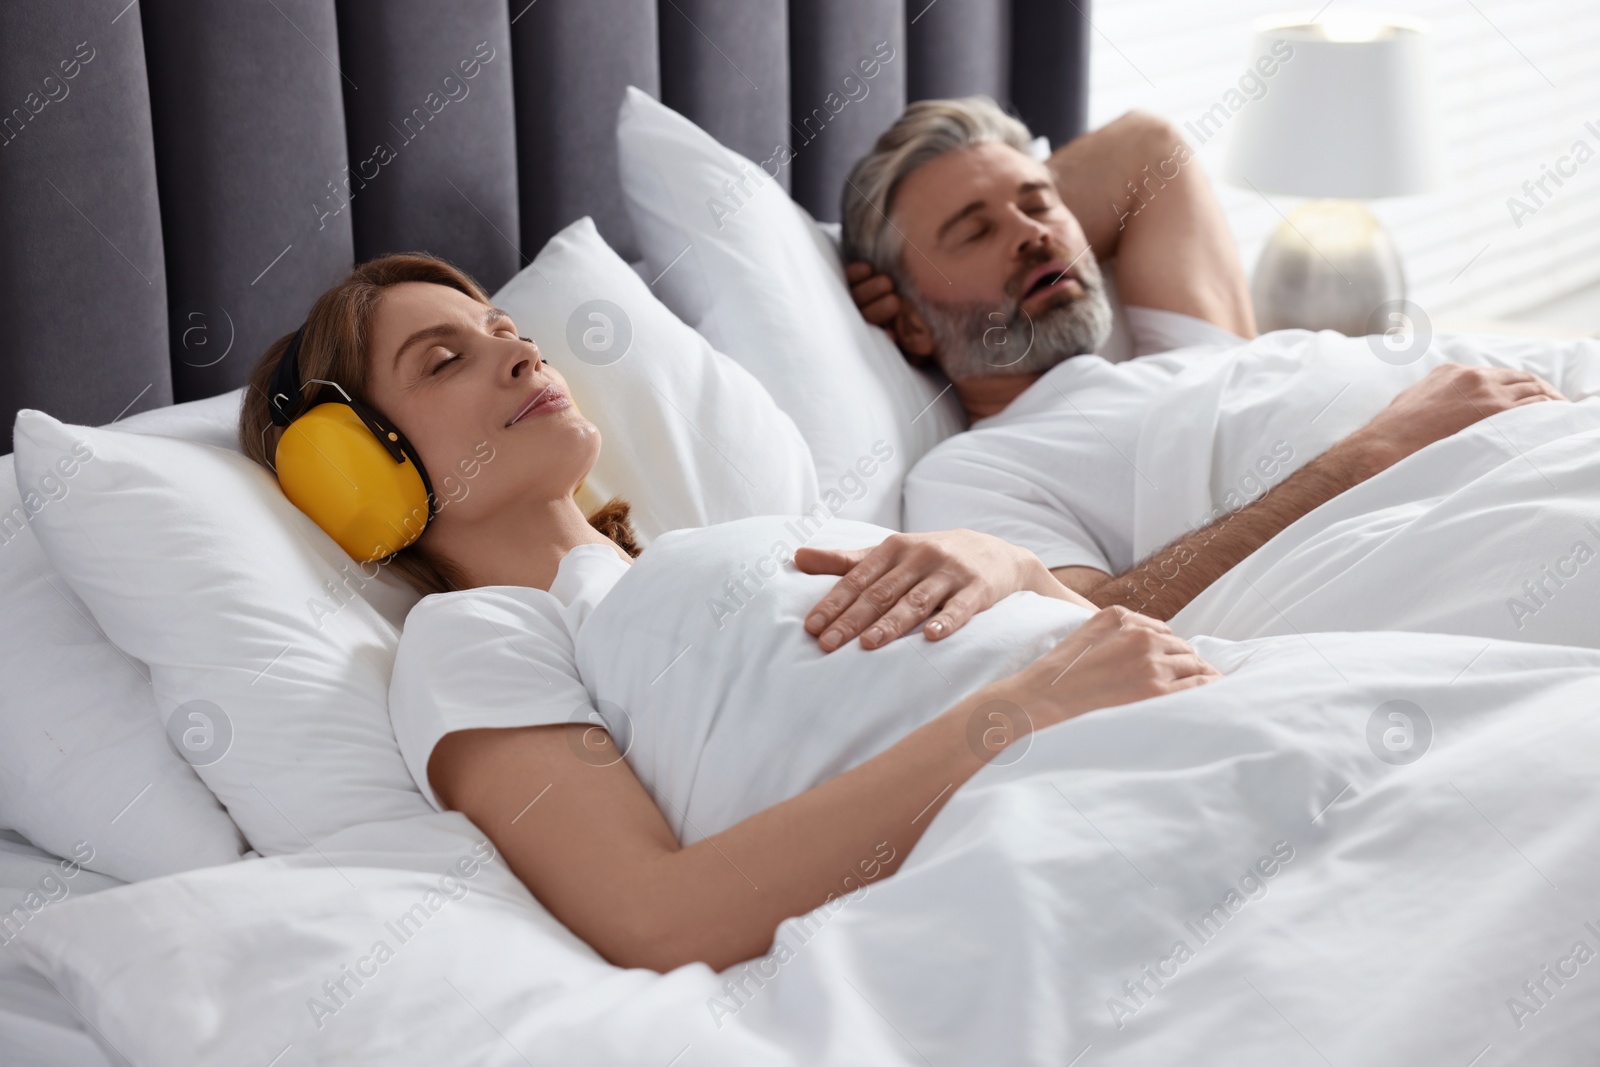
pixel 1382 853
pixel 181 178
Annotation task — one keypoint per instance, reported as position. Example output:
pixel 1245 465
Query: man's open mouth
pixel 1045 278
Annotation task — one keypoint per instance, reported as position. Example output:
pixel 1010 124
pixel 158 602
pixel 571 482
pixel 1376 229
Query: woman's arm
pixel 597 852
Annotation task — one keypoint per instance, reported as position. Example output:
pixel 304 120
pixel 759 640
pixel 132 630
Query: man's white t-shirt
pixel 1054 472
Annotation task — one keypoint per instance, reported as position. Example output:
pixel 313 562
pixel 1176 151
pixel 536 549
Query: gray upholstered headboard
pixel 179 179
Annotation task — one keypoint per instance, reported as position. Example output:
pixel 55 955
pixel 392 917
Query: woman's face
pixel 454 377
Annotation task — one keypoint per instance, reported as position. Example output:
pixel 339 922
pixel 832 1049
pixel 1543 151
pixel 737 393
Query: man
pixel 974 260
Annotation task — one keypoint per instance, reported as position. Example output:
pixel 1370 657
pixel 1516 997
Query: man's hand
pixel 873 294
pixel 1451 398
pixel 1116 657
pixel 888 590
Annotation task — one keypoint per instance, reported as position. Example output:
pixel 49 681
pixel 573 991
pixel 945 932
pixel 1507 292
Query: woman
pixel 496 729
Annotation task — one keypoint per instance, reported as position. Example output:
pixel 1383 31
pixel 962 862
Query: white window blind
pixel 1518 90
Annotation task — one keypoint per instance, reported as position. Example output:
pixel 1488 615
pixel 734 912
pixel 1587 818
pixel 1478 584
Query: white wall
pixel 1518 81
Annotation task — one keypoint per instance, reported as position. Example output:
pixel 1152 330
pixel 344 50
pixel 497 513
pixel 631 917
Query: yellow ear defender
pixel 341 463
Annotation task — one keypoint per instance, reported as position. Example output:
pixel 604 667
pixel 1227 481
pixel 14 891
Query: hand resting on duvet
pixel 760 768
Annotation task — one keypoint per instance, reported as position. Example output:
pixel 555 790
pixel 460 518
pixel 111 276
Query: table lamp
pixel 1350 113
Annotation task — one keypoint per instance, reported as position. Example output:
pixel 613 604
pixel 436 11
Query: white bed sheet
pixel 1492 532
pixel 1035 923
pixel 1398 910
pixel 38 1028
pixel 1487 532
pixel 1201 445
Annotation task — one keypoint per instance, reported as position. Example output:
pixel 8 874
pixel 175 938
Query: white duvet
pixel 1491 532
pixel 700 664
pixel 1353 850
pixel 36 1025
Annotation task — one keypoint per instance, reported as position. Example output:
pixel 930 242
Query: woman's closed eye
pixel 507 330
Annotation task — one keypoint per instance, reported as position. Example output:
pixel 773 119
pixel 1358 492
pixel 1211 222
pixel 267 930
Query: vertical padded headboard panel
pixel 210 167
pixel 249 134
pixel 432 132
pixel 573 60
pixel 1050 66
pixel 836 110
pixel 83 292
pixel 734 85
pixel 958 48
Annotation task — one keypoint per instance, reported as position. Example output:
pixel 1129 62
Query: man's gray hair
pixel 927 130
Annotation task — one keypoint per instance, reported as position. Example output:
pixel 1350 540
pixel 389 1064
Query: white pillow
pixel 210 968
pixel 751 270
pixel 192 559
pixel 212 421
pixel 84 765
pixel 690 438
pixel 85 768
pixel 215 421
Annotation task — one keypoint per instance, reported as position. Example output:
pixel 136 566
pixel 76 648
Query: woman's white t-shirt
pixel 497 655
pixel 696 661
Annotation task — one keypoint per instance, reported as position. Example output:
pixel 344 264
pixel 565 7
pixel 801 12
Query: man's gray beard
pixel 986 341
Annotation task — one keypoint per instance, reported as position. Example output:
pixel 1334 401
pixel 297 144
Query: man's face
pixel 994 266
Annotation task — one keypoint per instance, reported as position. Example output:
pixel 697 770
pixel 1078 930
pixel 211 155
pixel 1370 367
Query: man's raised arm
pixel 1140 197
pixel 1133 187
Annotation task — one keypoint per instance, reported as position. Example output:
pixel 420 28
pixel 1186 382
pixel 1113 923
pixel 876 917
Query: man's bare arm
pixel 1167 580
pixel 1449 399
pixel 1081 580
pixel 1140 196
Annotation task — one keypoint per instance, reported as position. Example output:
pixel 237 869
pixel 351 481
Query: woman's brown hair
pixel 334 347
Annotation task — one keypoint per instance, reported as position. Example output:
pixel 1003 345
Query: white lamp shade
pixel 1349 112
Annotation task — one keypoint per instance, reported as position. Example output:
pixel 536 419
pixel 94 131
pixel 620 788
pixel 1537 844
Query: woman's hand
pixel 1117 657
pixel 889 590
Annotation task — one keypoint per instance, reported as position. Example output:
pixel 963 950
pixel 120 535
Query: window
pixel 1517 92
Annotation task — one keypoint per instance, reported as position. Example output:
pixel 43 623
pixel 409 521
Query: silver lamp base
pixel 1329 266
